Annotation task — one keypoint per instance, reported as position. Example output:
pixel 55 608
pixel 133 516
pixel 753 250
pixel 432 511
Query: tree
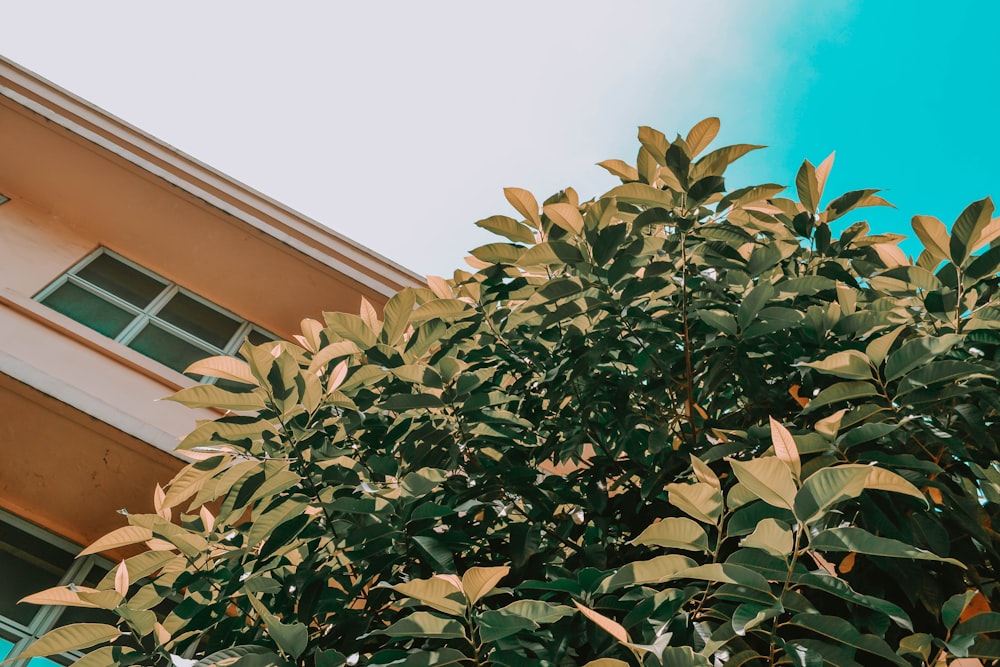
pixel 673 425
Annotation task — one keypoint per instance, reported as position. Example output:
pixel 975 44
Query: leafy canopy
pixel 678 424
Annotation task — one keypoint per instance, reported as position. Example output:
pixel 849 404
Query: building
pixel 121 261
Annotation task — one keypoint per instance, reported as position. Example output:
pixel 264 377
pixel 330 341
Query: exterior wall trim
pixel 201 181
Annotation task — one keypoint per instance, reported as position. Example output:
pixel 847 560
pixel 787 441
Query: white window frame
pixel 148 314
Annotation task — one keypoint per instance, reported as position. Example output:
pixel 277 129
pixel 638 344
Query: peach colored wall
pixel 82 429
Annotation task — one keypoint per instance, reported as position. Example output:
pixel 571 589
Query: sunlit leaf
pixel 71 638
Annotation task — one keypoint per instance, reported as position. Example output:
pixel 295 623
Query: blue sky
pixel 398 124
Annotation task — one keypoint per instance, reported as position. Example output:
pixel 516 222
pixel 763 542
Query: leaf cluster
pixel 677 424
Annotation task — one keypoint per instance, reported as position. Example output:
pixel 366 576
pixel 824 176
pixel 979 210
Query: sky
pixel 398 124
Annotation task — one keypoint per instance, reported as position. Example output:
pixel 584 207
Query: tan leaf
pixel 60 596
pixel 120 537
pixel 621 169
pixel 704 473
pixel 121 579
pixel 784 447
pixel 311 330
pixel 207 519
pixel 610 626
pixel 369 316
pixel 478 581
pixel 224 367
pixel 933 234
pixel 524 203
pixel 829 426
pixel 565 216
pixel 701 135
pixel 161 634
pixel 822 172
pixel 337 377
pixel 440 287
pixel 71 638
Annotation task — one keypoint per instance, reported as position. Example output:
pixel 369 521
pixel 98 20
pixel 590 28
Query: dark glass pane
pixel 122 280
pixel 167 348
pixel 199 320
pixel 90 309
pixel 27 565
pixel 257 338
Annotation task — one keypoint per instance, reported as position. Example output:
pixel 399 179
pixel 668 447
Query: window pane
pixel 122 280
pixel 257 338
pixel 44 662
pixel 199 320
pixel 90 309
pixel 72 615
pixel 167 348
pixel 28 565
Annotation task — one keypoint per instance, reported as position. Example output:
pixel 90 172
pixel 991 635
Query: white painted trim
pixel 270 217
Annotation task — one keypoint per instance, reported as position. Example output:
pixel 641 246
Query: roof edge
pixel 288 226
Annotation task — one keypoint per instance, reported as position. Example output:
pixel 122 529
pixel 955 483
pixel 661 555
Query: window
pixel 146 312
pixel 32 560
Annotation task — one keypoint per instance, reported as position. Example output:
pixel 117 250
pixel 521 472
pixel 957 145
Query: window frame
pixel 47 616
pixel 148 315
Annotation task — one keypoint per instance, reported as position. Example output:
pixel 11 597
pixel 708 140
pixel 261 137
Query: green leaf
pixel 550 252
pixel 643 195
pixel 842 391
pixel 700 500
pixel 967 228
pixel 981 623
pixel 840 588
pixel 865 433
pixel 827 487
pixel 425 624
pixel 772 536
pixel 753 302
pixel 537 611
pixel 676 533
pixel 350 327
pixel 71 638
pixel 933 235
pixel 229 656
pixel 494 625
pixel 768 478
pixel 861 541
pixel 437 593
pixel 879 347
pixel 849 364
pixel 211 396
pixel 653 571
pixel 953 607
pixel 508 228
pixel 751 614
pixel 917 352
pixel 842 632
pixel 728 574
pixel 442 309
pixel 807 186
pixel 720 320
pixel 397 314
